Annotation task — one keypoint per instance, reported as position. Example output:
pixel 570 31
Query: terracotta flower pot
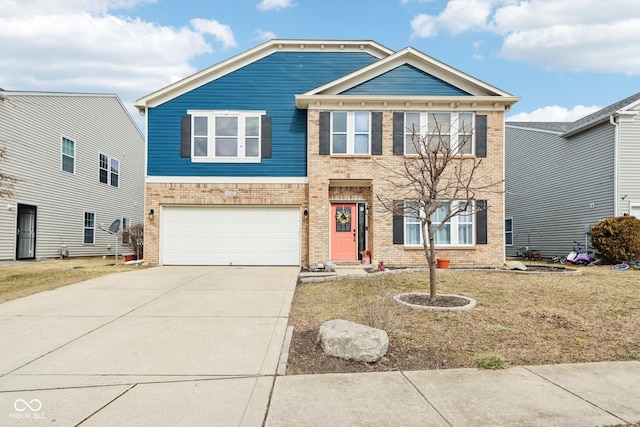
pixel 443 262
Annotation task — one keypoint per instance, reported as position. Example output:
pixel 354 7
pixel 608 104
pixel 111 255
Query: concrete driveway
pixel 163 346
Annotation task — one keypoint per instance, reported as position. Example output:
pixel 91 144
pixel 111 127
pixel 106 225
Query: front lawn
pixel 520 319
pixel 30 277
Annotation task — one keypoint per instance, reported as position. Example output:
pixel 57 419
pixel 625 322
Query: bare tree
pixel 6 181
pixel 437 183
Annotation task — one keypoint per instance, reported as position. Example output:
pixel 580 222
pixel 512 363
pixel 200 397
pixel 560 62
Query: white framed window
pixel 68 149
pixel 456 231
pixel 226 136
pixel 109 170
pixel 456 129
pixel 89 230
pixel 508 231
pixel 350 132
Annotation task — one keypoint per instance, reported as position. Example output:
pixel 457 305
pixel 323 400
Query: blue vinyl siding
pixel 269 84
pixel 406 80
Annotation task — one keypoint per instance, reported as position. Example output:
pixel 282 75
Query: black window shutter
pixel 481 222
pixel 481 136
pixel 398 223
pixel 376 133
pixel 185 136
pixel 325 132
pixel 398 133
pixel 265 139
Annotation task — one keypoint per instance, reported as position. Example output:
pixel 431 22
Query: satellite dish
pixel 114 227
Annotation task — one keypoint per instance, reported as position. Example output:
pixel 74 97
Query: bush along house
pixel 274 157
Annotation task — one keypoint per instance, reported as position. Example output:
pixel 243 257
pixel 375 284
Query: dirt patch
pixel 438 301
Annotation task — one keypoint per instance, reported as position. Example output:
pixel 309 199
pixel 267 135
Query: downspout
pixel 616 166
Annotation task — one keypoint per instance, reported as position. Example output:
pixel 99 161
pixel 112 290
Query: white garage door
pixel 230 235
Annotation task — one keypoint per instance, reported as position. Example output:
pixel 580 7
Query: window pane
pixel 509 238
pixel 464 144
pixel 439 123
pixel 340 144
pixel 67 164
pixel 465 234
pixel 88 235
pixel 114 180
pixel 200 126
pixel 343 220
pixel 508 224
pixel 361 144
pixel 412 123
pixel 252 126
pixel 89 219
pixel 115 166
pixel 443 236
pixel 226 147
pixel 361 122
pixel 339 122
pixel 411 146
pixel 104 161
pixel 200 147
pixel 251 147
pixel 104 176
pixel 412 234
pixel 67 147
pixel 226 126
pixel 465 123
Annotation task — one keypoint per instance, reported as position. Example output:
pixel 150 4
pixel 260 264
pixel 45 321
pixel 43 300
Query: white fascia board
pixel 405 103
pixel 225 180
pixel 252 55
pixel 418 60
pixel 61 94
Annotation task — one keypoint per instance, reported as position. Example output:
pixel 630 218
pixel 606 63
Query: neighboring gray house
pixel 79 159
pixel 562 178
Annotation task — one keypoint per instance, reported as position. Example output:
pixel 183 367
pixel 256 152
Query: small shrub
pixel 617 239
pixel 377 307
pixel 489 362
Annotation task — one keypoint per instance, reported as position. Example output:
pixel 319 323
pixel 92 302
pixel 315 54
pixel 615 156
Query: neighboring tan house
pixel 562 178
pixel 272 157
pixel 79 161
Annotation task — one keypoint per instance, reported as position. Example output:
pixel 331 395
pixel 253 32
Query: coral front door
pixel 344 228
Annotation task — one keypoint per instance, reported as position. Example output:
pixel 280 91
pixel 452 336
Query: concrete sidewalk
pixel 592 394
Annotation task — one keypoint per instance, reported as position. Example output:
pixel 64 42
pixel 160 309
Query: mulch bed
pixel 306 357
pixel 438 301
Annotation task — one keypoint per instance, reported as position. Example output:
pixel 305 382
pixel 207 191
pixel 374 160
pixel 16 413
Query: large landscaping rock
pixel 349 340
pixel 515 265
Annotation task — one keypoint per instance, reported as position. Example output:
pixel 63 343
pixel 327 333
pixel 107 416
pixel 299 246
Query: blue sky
pixel 564 58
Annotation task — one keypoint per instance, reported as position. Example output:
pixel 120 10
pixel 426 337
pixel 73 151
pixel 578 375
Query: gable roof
pixel 603 115
pixel 467 86
pixel 252 55
pixel 567 129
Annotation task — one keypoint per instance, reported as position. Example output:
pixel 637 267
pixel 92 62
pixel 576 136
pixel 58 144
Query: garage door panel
pixel 230 236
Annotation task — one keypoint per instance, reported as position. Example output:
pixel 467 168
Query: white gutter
pixel 616 166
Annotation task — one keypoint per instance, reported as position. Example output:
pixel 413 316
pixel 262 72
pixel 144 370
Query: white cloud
pixel 555 113
pixel 221 32
pixel 576 35
pixel 457 17
pixel 79 46
pixel 264 35
pixel 423 26
pixel 274 4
